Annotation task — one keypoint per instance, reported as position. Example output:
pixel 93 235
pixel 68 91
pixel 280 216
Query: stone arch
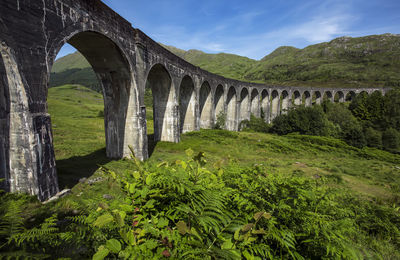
pixel 205 105
pixel 339 97
pixel 114 71
pixel 275 104
pixel 244 105
pixel 350 96
pixel 231 100
pixel 328 96
pixel 187 102
pixel 265 105
pixel 285 101
pixel 255 103
pixel 316 98
pixel 159 80
pixel 296 98
pixel 307 100
pixel 218 101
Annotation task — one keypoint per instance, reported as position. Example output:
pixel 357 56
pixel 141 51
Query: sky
pixel 255 28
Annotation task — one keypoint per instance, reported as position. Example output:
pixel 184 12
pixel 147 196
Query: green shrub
pixel 221 121
pixel 254 124
pixel 304 120
pixel 391 140
pixel 373 138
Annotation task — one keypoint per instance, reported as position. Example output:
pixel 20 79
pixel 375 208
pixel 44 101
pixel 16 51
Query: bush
pixel 254 124
pixel 221 121
pixel 373 138
pixel 391 140
pixel 354 135
pixel 304 120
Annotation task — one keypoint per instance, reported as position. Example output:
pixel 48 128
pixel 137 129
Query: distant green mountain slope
pixel 343 62
pixel 365 61
pixel 224 64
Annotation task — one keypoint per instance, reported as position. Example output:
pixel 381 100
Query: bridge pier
pixel 126 61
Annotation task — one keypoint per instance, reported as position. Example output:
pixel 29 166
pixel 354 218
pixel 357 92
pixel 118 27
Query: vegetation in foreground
pixel 257 196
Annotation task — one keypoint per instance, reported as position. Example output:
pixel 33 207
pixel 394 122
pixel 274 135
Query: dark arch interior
pixel 159 81
pixel 350 96
pixel 296 98
pixel 205 105
pixel 187 105
pixel 327 96
pixel 316 97
pixel 306 95
pixel 339 97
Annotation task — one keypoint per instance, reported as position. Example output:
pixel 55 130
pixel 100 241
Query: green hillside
pixel 343 62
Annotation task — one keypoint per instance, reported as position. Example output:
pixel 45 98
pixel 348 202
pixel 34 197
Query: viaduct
pixel 126 61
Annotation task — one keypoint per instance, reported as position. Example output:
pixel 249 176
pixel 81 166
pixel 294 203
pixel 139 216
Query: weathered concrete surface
pixel 126 61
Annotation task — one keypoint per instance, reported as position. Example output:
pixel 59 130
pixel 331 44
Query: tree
pixel 391 140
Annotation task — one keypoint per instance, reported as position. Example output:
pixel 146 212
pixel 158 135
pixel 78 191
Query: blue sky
pixel 255 28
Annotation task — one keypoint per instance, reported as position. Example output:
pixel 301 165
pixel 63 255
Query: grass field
pixel 80 149
pixel 318 197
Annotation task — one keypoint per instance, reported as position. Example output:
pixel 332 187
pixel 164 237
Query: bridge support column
pixel 29 164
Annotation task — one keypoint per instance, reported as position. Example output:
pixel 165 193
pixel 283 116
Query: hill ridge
pixel 345 61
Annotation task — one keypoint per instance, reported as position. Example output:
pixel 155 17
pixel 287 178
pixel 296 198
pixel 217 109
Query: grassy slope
pixel 371 60
pixel 350 62
pixel 79 145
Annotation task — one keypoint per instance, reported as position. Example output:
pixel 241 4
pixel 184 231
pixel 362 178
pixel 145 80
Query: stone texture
pixel 126 61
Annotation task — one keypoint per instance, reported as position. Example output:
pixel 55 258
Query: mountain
pixel 343 62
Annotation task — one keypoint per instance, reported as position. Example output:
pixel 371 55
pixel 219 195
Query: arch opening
pixel 160 83
pixel 231 122
pixel 244 105
pixel 205 106
pixel 218 102
pixel 296 98
pixel 339 97
pixel 187 101
pixel 275 104
pixel 307 101
pixel 327 96
pixel 265 106
pixel 285 101
pixel 316 98
pixel 105 103
pixel 350 96
pixel 255 103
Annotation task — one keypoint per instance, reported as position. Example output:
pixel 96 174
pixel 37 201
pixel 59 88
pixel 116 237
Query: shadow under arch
pixel 218 102
pixel 187 103
pixel 160 83
pixel 205 105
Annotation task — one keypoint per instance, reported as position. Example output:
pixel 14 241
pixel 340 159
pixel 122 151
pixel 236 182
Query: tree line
pixel 368 120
